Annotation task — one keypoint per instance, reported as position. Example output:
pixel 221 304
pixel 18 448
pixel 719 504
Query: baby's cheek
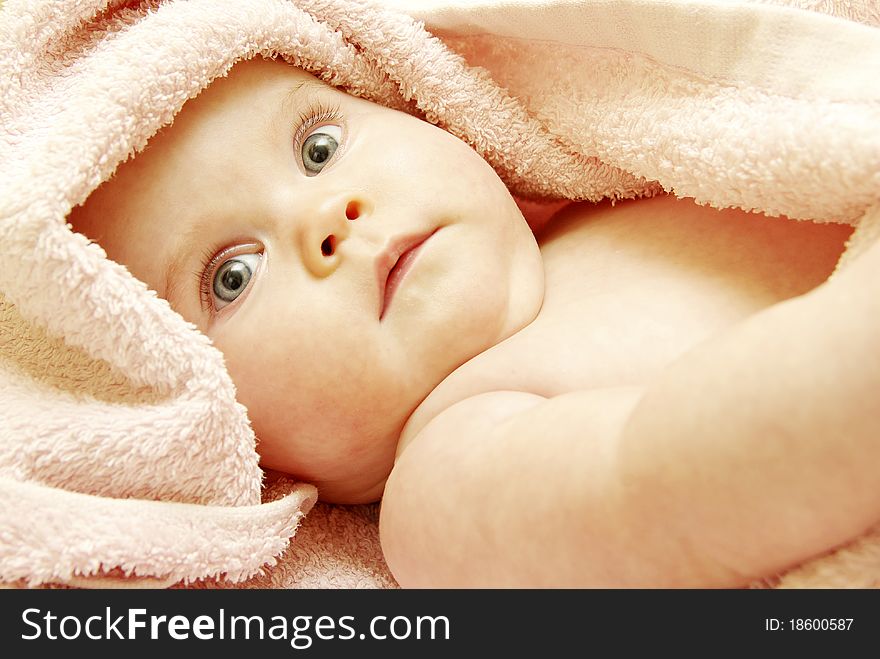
pixel 255 364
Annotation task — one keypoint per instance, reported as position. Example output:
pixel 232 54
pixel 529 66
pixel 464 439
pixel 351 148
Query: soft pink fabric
pixel 122 448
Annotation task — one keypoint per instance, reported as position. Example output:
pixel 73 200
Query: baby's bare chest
pixel 624 299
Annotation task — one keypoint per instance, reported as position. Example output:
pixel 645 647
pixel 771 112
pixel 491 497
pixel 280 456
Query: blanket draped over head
pixel 123 451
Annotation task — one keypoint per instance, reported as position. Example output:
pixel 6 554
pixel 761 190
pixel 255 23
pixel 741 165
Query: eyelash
pixel 316 113
pixel 210 260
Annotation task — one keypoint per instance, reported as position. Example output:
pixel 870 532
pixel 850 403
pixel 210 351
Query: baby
pixel 637 398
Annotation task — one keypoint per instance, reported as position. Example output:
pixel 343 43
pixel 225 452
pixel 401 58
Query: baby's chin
pixel 352 471
pixel 350 480
pixel 350 493
pixel 363 487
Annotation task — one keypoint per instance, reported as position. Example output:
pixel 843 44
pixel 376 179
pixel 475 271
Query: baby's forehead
pixel 253 93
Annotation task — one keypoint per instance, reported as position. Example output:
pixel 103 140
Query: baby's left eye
pixel 232 278
pixel 318 148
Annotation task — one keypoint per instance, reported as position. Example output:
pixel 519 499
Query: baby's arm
pixel 754 452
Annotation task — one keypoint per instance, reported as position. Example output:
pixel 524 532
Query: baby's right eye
pixel 319 147
pixel 232 278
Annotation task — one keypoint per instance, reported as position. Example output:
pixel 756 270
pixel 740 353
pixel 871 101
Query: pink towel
pixel 123 452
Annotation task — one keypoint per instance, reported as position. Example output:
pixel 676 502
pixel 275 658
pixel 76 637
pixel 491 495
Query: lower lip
pixel 398 272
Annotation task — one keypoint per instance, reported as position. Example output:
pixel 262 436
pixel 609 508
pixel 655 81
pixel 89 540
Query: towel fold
pixel 123 451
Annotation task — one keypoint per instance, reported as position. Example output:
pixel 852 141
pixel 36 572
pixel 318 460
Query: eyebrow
pixel 310 85
pixel 182 249
pixel 173 271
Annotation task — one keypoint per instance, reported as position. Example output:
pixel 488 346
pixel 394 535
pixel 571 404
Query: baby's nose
pixel 329 228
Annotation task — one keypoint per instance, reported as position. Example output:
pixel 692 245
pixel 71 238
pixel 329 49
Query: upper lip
pixel 388 258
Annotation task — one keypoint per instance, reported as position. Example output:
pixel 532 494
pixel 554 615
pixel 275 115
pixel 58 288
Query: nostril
pixel 353 210
pixel 328 246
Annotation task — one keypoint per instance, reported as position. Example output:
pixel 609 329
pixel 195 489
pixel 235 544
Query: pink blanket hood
pixel 123 452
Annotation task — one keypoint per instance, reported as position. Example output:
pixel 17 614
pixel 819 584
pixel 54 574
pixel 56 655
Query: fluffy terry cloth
pixel 123 452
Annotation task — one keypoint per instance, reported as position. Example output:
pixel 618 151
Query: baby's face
pixel 344 257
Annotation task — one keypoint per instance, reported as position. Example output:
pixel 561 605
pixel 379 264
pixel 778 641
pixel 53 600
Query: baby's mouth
pixel 393 264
